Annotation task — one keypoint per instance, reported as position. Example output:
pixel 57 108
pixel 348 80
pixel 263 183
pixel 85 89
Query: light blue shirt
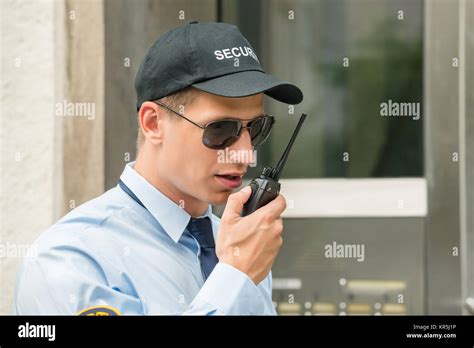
pixel 110 251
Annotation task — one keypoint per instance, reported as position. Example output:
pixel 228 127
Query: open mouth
pixel 230 181
pixel 230 177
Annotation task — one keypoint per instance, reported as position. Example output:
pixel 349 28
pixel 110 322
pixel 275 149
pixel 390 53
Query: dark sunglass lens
pixel 263 128
pixel 256 127
pixel 220 134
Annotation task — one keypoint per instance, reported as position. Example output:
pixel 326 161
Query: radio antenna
pixel 275 172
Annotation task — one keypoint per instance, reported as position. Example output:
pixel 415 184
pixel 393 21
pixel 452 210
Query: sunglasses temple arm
pixel 182 116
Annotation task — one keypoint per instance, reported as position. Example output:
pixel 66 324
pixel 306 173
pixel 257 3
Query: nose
pixel 244 148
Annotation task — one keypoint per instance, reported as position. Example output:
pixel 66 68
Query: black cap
pixel 213 57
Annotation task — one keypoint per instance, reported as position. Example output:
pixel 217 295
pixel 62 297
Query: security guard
pixel 151 245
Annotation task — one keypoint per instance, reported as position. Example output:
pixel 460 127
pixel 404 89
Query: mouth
pixel 230 180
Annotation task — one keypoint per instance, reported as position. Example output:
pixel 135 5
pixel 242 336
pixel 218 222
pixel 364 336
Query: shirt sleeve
pixel 66 280
pixel 229 291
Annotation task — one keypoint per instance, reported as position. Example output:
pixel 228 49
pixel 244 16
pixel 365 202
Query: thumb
pixel 236 202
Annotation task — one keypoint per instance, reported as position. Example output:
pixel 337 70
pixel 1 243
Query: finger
pixel 236 202
pixel 273 209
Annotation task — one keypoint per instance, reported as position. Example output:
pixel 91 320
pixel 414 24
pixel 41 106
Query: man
pixel 151 245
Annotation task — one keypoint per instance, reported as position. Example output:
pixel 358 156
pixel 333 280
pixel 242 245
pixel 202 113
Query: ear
pixel 151 118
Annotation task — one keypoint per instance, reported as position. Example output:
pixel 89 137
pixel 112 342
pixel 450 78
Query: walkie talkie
pixel 266 187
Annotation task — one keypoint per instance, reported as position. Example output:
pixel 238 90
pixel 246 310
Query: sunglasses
pixel 223 133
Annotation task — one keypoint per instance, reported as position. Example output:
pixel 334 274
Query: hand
pixel 250 243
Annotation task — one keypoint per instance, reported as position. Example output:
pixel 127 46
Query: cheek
pixel 188 159
pixel 176 145
pixel 201 163
pixel 199 173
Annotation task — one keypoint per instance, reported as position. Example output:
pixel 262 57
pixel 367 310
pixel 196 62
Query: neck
pixel 149 170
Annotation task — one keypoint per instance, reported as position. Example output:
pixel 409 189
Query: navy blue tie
pixel 201 229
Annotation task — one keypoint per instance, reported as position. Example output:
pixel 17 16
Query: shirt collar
pixel 167 213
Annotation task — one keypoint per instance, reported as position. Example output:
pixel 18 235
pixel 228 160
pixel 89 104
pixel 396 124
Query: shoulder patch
pixel 104 311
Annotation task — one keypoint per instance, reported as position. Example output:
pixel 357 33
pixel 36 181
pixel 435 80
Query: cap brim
pixel 246 83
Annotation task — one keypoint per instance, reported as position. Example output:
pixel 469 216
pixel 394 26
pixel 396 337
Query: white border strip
pixel 392 197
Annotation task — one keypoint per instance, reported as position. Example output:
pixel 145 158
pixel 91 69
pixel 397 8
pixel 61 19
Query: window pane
pixel 359 63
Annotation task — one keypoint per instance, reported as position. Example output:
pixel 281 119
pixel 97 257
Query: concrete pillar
pixel 28 132
pixel 51 149
pixel 83 141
